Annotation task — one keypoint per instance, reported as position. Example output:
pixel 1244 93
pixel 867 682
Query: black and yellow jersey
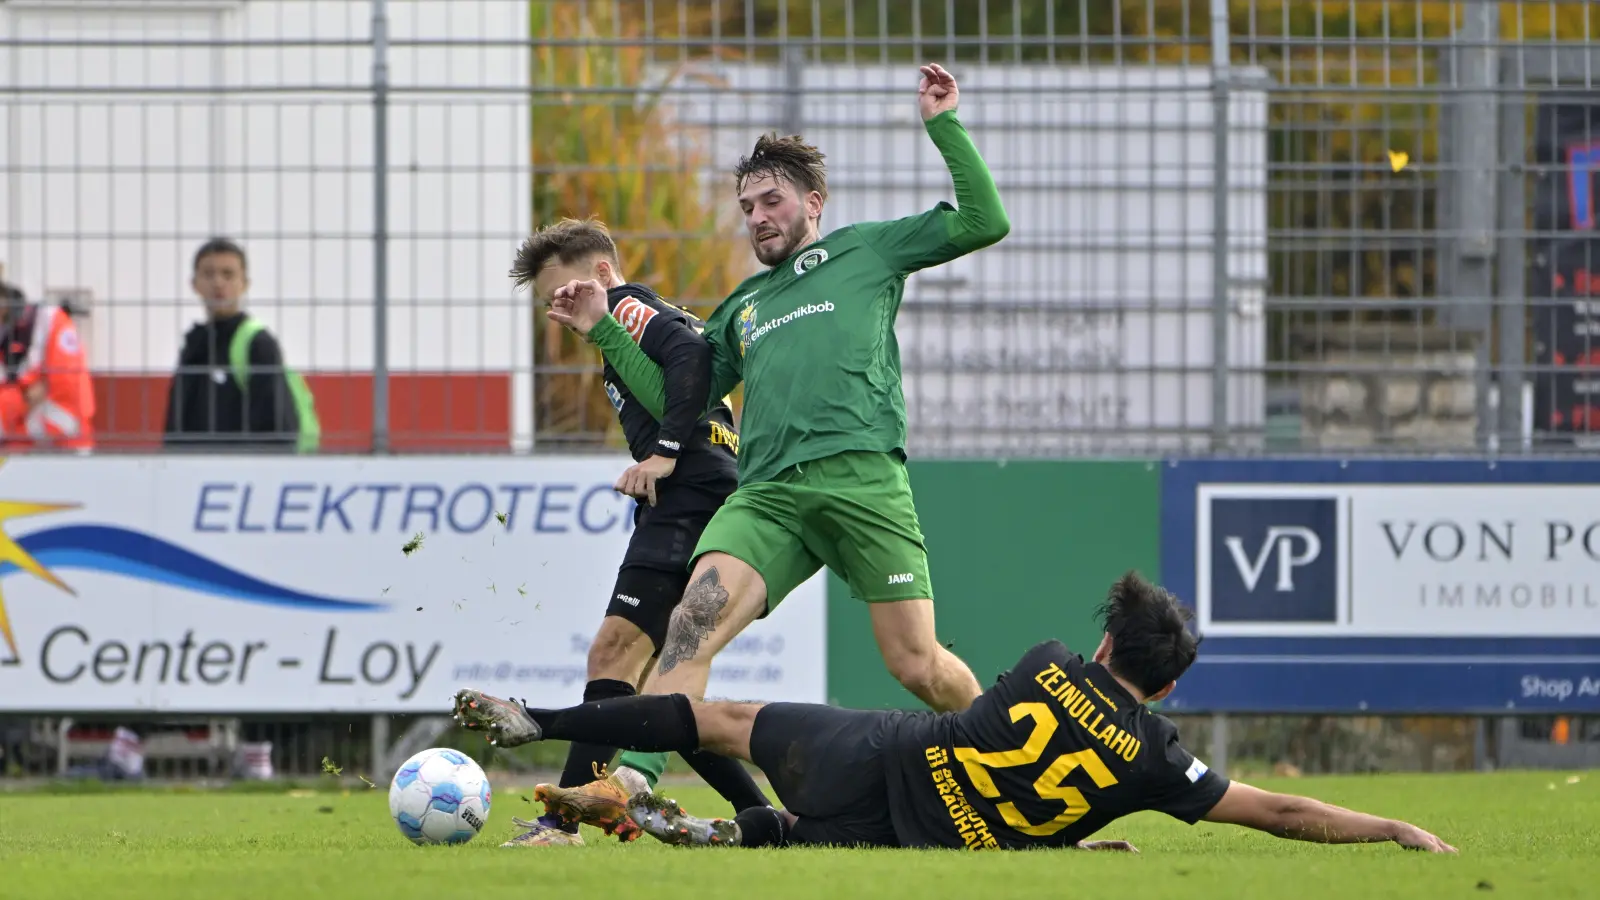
pixel 1056 750
pixel 707 448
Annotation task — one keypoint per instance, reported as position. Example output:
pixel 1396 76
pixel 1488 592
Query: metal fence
pixel 1324 226
pixel 1251 226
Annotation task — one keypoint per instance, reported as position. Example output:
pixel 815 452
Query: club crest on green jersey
pixel 809 260
pixel 747 327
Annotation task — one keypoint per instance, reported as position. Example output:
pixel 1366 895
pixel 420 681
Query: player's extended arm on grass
pixel 1305 819
pixel 582 307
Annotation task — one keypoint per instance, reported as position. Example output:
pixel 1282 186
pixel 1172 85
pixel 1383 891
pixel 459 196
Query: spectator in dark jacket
pixel 208 407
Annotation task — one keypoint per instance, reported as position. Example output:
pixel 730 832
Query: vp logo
pixel 1273 559
pixel 1290 545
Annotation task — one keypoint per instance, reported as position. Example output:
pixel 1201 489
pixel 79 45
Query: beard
pixel 773 252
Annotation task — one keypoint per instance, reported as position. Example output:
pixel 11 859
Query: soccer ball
pixel 440 796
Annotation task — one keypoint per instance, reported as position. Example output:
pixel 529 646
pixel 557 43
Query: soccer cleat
pixel 602 803
pixel 666 821
pixel 538 834
pixel 506 722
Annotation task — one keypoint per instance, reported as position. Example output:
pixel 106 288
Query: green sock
pixel 650 765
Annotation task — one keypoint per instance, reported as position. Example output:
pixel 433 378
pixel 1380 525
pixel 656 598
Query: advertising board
pixel 271 584
pixel 1420 586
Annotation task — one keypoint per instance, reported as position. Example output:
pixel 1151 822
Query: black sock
pixel 583 759
pixel 762 827
pixel 654 723
pixel 728 777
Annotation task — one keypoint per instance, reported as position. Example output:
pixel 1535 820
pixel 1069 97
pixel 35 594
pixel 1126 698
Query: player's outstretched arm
pixel 1304 819
pixel 644 376
pixel 685 361
pixel 581 306
pixel 944 233
pixel 979 219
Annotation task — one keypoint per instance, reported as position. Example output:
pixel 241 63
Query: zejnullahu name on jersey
pixel 1053 752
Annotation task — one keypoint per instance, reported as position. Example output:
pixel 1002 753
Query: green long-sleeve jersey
pixel 813 337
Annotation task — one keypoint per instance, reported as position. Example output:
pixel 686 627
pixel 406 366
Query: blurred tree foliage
pixel 604 144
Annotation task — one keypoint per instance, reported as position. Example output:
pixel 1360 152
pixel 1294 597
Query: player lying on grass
pixel 687 465
pixel 822 477
pixel 1055 751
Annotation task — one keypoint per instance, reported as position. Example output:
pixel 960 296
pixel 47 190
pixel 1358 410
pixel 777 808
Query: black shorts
pixel 828 766
pixel 646 597
pixel 655 568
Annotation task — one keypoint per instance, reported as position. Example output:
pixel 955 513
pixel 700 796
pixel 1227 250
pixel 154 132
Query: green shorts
pixel 851 512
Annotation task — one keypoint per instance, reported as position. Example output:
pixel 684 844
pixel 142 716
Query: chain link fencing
pixel 1402 189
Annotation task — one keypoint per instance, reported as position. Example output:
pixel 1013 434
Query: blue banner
pixel 1387 586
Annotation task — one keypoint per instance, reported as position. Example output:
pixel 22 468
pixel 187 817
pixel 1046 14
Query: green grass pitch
pixel 1522 834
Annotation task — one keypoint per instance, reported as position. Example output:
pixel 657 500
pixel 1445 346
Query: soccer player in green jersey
pixel 822 477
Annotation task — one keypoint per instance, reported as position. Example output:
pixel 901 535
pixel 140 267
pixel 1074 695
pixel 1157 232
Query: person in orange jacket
pixel 46 397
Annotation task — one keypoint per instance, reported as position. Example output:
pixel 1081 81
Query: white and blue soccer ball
pixel 440 796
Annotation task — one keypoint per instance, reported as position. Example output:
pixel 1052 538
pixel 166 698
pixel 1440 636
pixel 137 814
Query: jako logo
pixel 1281 543
pixel 809 260
pixel 903 578
pixel 1271 559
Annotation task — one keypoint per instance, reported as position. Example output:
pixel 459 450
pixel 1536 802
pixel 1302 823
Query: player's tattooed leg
pixel 693 620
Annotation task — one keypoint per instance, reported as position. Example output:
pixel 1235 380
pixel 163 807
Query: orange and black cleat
pixel 602 803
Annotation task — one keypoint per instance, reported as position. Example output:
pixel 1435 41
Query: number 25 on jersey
pixel 1050 785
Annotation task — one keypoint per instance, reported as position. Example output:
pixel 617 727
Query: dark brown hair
pixel 789 158
pixel 1150 645
pixel 570 240
pixel 216 246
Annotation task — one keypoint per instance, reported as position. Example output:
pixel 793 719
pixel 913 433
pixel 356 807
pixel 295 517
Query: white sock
pixel 632 780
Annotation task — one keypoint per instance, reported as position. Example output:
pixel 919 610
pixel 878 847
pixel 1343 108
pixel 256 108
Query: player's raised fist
pixel 938 92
